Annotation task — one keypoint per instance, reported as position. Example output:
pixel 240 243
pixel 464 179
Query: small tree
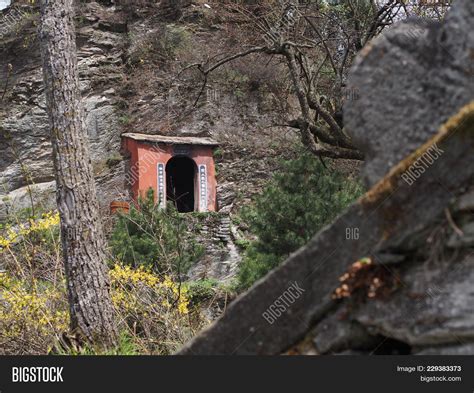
pixel 154 237
pixel 299 200
pixel 315 44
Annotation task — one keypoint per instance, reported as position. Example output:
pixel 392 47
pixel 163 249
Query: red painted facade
pixel 148 162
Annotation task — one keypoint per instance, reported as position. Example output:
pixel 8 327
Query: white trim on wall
pixel 161 185
pixel 203 191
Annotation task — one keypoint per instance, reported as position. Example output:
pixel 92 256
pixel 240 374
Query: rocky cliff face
pixel 130 54
pixel 394 273
pixel 25 150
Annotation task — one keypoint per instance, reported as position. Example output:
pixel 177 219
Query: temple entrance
pixel 180 175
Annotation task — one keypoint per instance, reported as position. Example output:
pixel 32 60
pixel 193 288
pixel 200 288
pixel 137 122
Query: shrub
pixel 297 203
pixel 31 246
pixel 123 278
pixel 209 290
pixel 154 237
pixel 33 314
pixel 33 226
pixel 162 44
pixel 126 347
pixel 153 312
pixel 202 289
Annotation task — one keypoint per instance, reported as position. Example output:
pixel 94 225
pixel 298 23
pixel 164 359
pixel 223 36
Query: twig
pixel 449 217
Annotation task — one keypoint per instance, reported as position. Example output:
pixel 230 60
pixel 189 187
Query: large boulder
pixel 409 81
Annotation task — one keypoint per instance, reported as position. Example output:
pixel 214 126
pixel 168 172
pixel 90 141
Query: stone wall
pixel 221 257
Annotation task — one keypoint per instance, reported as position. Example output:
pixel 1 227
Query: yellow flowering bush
pixel 9 239
pixel 48 221
pixel 154 311
pixel 34 312
pixel 127 282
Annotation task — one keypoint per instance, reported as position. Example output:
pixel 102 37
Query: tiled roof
pixel 172 140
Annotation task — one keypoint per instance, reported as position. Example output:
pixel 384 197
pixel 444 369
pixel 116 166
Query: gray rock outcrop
pixel 420 73
pixel 25 150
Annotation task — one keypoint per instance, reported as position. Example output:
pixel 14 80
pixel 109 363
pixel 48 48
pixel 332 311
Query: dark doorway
pixel 180 173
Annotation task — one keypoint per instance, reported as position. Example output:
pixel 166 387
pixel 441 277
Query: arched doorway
pixel 180 175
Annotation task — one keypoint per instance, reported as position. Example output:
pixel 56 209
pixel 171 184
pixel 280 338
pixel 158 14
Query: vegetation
pixel 308 48
pixel 294 56
pixel 209 289
pixel 155 238
pixel 298 201
pixel 158 45
pixel 125 347
pixel 153 312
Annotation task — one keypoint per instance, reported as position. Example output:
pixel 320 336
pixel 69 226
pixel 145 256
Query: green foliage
pixel 155 238
pixel 125 347
pixel 296 204
pixel 255 265
pixel 202 289
pixel 124 119
pixel 218 153
pixel 175 38
pixel 209 289
pixel 242 243
pixel 114 159
pixel 17 216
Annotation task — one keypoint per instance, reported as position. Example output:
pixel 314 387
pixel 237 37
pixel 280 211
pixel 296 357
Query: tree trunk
pixel 82 235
